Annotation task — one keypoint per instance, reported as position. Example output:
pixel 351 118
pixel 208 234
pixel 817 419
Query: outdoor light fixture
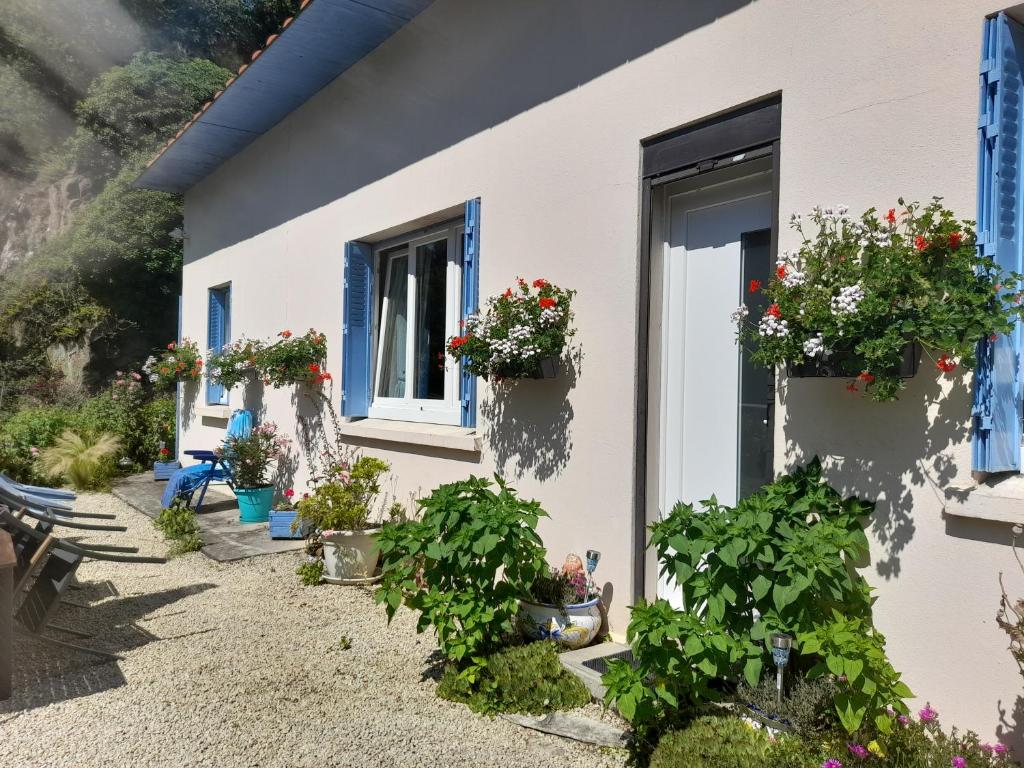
pixel 781 645
pixel 593 557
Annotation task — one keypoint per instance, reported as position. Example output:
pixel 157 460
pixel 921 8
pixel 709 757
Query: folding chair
pixel 213 466
pixel 44 570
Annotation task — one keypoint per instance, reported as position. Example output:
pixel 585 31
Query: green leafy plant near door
pixel 462 566
pixel 785 555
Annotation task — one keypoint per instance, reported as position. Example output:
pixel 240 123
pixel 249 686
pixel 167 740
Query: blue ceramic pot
pixel 254 503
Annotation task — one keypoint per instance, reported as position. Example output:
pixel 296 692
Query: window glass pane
pixel 394 328
pixel 431 301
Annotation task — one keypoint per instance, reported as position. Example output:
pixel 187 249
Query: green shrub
pixel 527 679
pixel 808 705
pixel 85 462
pixel 310 572
pixel 784 555
pixel 179 525
pixel 463 565
pixel 712 741
pixel 26 433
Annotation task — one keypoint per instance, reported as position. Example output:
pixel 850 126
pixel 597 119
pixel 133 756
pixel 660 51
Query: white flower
pixel 770 325
pixel 740 314
pixel 815 347
pixel 793 278
pixel 847 300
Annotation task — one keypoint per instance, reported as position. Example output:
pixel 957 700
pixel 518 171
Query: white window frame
pixel 448 410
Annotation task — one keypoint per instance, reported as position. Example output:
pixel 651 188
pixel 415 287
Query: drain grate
pixel 600 663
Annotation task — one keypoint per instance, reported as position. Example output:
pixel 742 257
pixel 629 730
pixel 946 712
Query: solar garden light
pixel 593 557
pixel 781 645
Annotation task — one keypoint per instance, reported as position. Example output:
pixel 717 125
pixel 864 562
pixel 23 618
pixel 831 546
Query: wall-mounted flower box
pixel 849 365
pixel 847 301
pixel 520 334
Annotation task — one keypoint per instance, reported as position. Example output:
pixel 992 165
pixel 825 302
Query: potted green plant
pixel 520 335
pixel 251 459
pixel 562 605
pixel 861 297
pixel 340 510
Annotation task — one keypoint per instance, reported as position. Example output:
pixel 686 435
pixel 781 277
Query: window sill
pixel 214 411
pixel 414 433
pixel 999 499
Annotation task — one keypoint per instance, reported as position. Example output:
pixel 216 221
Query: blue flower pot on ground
pixel 254 504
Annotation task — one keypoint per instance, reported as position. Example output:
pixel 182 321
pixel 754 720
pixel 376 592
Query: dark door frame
pixel 740 135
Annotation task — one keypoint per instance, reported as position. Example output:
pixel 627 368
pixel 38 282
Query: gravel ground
pixel 237 664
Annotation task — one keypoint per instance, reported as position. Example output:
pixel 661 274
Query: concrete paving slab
pixel 224 537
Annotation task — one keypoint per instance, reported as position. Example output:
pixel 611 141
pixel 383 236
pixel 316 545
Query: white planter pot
pixel 573 626
pixel 350 555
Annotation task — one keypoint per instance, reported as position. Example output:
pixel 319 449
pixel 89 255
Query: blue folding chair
pixel 213 467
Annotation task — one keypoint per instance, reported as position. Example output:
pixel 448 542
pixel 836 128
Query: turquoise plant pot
pixel 254 504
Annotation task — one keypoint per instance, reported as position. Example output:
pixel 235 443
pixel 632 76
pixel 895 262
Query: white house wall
pixel 538 108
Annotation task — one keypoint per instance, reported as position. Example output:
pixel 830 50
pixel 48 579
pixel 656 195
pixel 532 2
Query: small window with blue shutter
pixel 218 333
pixel 403 299
pixel 996 412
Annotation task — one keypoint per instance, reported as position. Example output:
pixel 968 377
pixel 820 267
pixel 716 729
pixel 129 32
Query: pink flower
pixel 289 493
pixel 832 763
pixel 999 749
pixel 958 762
pixel 986 748
pixel 858 750
pixel 927 714
pixel 903 720
pixel 136 376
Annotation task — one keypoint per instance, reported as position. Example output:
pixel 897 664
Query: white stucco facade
pixel 538 109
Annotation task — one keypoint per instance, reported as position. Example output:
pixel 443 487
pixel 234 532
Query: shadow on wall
pixel 458 70
pixel 880 451
pixel 529 423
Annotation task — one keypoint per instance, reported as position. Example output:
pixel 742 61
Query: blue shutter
pixel 356 345
pixel 217 337
pixel 997 401
pixel 470 301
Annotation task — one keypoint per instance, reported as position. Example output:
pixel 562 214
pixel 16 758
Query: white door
pixel 715 408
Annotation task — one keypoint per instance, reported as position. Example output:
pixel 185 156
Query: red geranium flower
pixel 891 216
pixel 547 302
pixel 774 311
pixel 508 293
pixel 781 271
pixel 851 387
pixel 945 364
pixel 164 451
pixel 540 282
pixel 955 238
pixel 171 346
pixel 754 287
pixel 920 243
pixel 866 377
pixel 314 368
pixel 285 334
pixel 289 493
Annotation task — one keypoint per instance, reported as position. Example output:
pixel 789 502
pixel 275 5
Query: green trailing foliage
pixel 526 679
pixel 463 565
pixel 786 555
pixel 179 525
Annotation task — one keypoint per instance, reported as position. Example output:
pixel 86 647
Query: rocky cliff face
pixel 32 213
